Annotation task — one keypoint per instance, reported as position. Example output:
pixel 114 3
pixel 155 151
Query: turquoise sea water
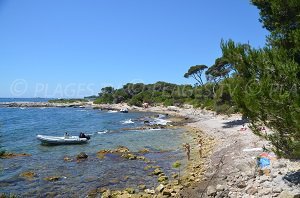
pixel 18 130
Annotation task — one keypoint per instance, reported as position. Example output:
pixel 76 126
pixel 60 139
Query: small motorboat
pixel 125 110
pixel 61 140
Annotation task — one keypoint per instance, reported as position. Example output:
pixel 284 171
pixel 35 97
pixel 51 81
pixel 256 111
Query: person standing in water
pixel 188 150
pixel 200 142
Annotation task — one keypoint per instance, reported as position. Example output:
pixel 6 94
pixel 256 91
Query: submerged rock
pixel 67 159
pixel 144 151
pixel 162 179
pixel 147 168
pixel 101 154
pixel 6 155
pixel 129 156
pixel 29 175
pixel 52 178
pixel 121 149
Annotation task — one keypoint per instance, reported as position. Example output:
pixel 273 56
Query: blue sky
pixel 72 48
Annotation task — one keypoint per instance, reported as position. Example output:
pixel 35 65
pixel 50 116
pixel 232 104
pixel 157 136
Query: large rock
pixel 211 191
pixel 148 191
pixel 82 156
pixel 167 193
pixel 160 188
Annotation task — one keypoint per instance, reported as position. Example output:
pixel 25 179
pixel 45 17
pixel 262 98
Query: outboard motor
pixel 82 135
pixel 87 137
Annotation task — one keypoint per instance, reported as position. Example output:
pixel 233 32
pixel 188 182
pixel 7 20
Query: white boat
pixel 58 140
pixel 125 110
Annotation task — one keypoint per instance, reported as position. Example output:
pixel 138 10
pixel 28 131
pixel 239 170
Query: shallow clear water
pixel 18 130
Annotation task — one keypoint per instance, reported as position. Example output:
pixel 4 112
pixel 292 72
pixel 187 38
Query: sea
pixel 20 126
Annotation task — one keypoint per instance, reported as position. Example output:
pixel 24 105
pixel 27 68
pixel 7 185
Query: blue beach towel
pixel 264 162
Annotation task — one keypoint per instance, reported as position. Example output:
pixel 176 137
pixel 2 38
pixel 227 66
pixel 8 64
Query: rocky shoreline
pixel 227 167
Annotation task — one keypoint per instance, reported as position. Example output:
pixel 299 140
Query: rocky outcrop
pixel 8 155
pixel 81 156
pixel 52 178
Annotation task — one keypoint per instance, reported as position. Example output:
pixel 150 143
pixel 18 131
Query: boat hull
pixel 53 140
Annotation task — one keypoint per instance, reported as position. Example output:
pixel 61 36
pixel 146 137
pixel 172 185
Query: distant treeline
pixel 169 94
pixel 63 100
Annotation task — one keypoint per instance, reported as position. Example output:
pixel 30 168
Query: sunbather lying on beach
pixel 243 128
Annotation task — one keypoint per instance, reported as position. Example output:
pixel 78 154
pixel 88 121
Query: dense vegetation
pixel 168 94
pixel 263 84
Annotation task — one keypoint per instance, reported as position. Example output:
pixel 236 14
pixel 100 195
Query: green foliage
pixel 136 100
pixel 105 99
pixel 282 19
pixel 168 102
pixel 177 164
pixel 266 87
pixel 167 94
pixel 107 90
pixel 196 72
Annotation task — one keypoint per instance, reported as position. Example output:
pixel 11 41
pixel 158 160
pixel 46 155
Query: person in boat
pixel 67 135
pixel 81 135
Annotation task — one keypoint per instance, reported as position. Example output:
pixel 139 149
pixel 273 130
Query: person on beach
pixel 188 150
pixel 200 142
pixel 243 128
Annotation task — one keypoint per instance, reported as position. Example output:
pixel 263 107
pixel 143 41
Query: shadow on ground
pixel 293 177
pixel 234 123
